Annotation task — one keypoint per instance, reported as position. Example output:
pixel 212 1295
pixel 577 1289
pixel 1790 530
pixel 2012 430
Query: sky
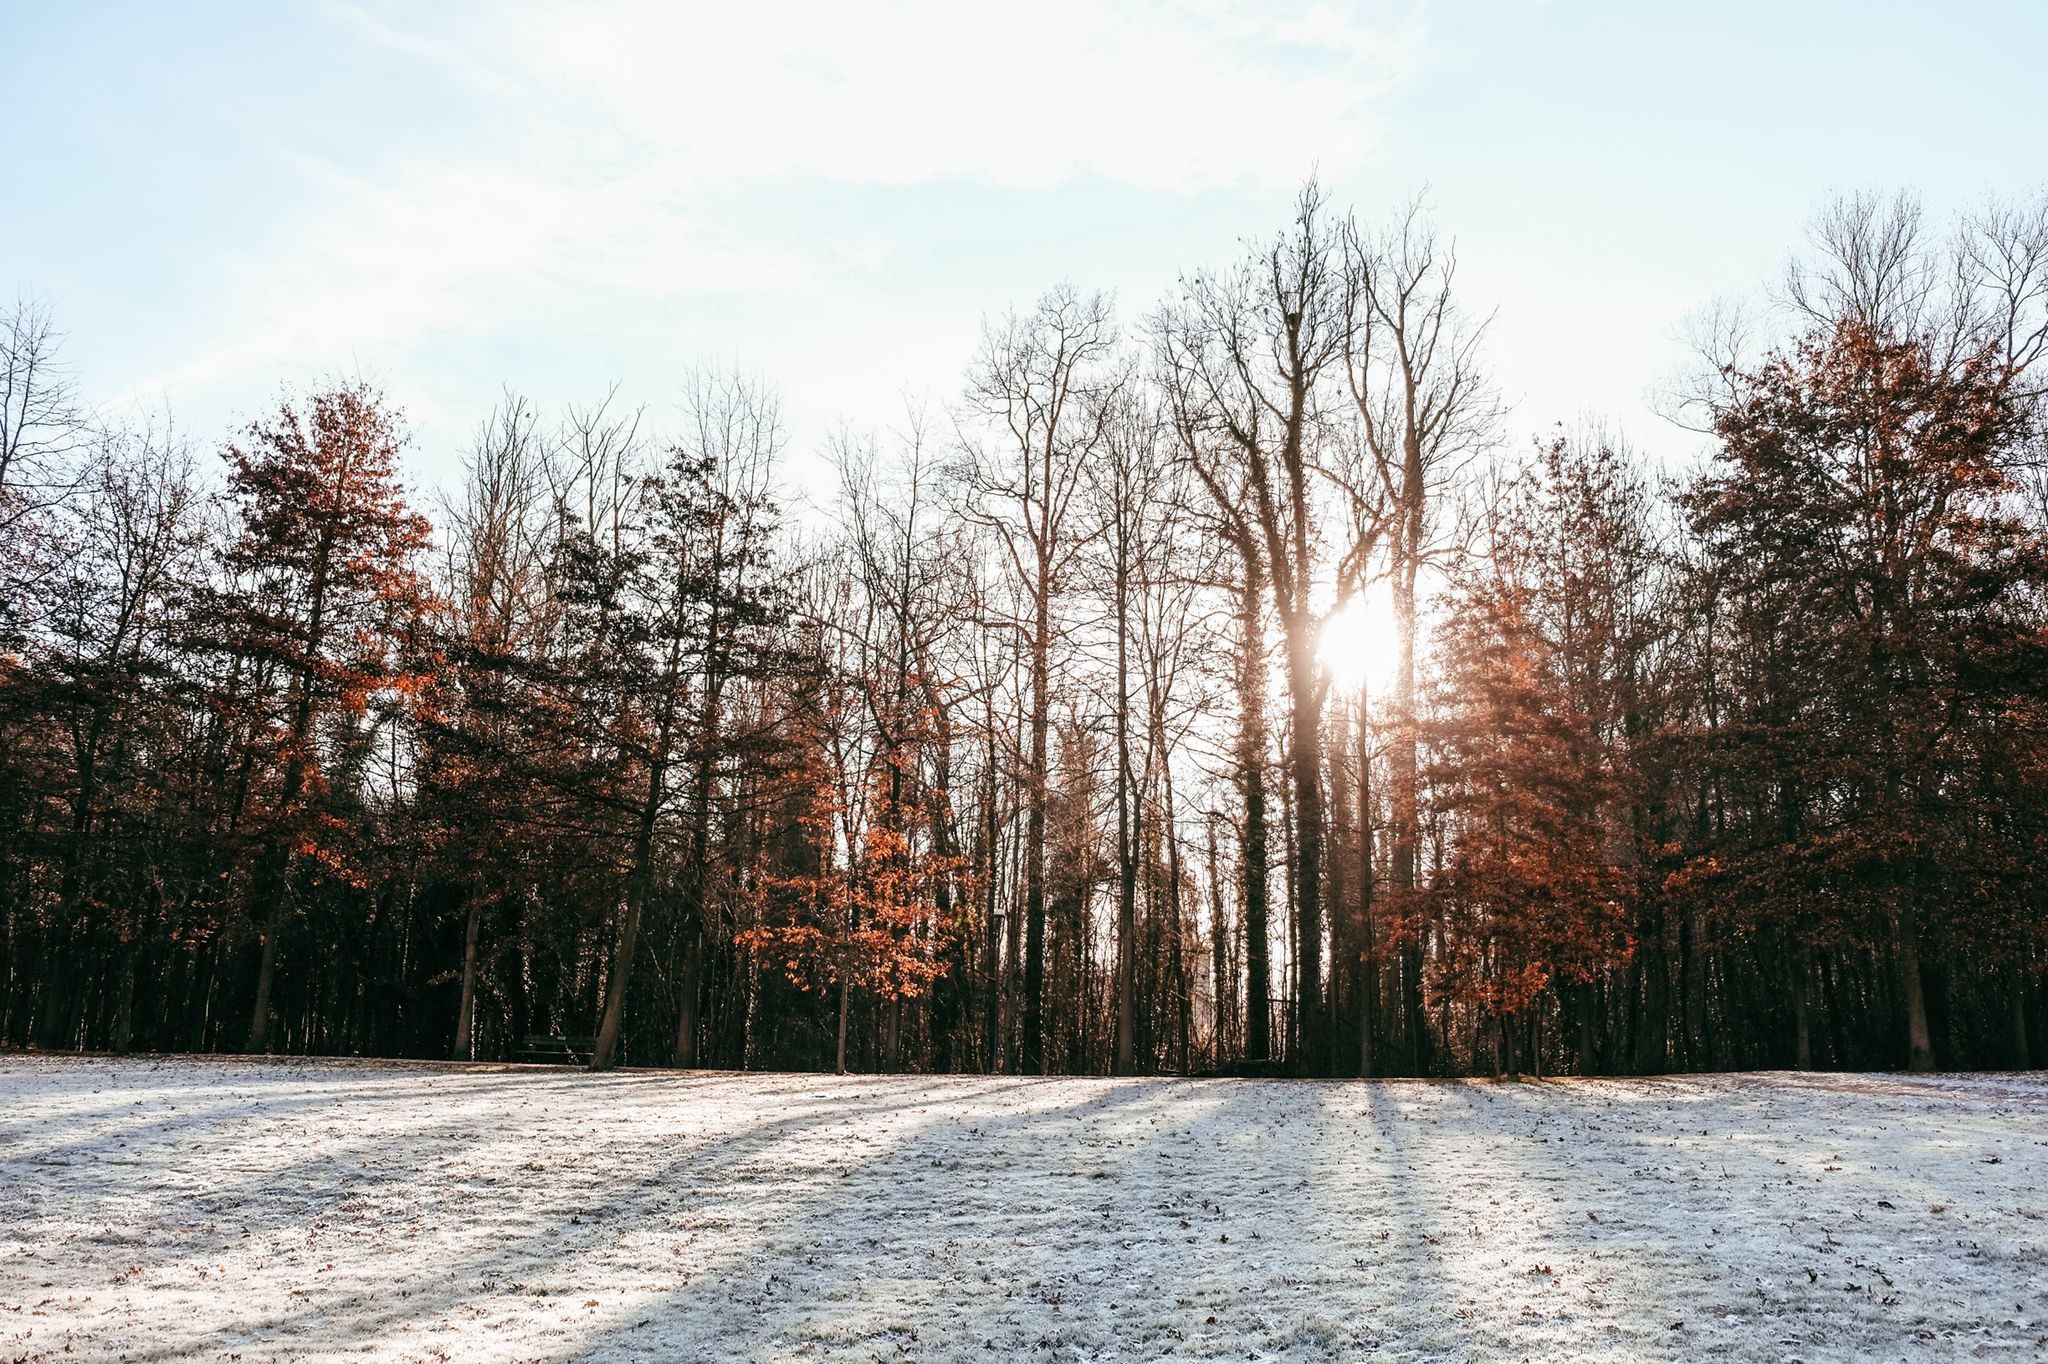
pixel 452 199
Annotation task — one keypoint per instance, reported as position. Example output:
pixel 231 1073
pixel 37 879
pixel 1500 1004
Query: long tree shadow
pixel 571 1228
pixel 1745 1204
pixel 974 1229
pixel 581 1245
pixel 1162 1218
pixel 891 1216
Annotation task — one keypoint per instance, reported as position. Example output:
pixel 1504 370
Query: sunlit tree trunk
pixel 464 1048
pixel 1126 833
pixel 1251 775
pixel 1369 970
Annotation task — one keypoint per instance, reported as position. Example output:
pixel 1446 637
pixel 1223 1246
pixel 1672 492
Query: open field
pixel 220 1209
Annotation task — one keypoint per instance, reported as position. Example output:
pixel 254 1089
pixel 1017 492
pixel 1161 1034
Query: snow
pixel 217 1209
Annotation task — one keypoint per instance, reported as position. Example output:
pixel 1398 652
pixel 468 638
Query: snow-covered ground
pixel 219 1209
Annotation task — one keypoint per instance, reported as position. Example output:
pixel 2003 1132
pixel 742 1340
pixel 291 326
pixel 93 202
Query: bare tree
pixel 130 548
pixel 496 582
pixel 41 428
pixel 1174 632
pixel 907 571
pixel 1425 408
pixel 1122 485
pixel 1250 359
pixel 1038 391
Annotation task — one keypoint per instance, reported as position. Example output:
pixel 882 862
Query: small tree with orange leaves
pixel 1531 894
pixel 866 916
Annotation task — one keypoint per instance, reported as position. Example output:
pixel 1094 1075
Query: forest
pixel 1230 683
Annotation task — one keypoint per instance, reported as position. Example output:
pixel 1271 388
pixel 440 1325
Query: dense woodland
pixel 1060 735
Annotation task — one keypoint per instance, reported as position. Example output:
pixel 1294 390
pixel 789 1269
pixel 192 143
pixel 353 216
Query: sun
pixel 1361 643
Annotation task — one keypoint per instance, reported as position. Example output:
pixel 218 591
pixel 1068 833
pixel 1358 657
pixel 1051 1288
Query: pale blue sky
pixel 451 197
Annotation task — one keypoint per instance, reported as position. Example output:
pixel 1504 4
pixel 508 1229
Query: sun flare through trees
pixel 1228 684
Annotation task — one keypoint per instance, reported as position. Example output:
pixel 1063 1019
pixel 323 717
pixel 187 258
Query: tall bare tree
pixel 495 576
pixel 1251 358
pixel 1425 408
pixel 1038 395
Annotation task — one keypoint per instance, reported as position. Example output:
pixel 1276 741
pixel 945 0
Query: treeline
pixel 1060 740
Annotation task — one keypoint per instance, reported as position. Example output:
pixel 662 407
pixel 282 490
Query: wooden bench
pixel 555 1049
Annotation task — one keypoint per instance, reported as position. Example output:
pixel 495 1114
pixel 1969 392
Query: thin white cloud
pixel 603 128
pixel 1160 96
pixel 375 264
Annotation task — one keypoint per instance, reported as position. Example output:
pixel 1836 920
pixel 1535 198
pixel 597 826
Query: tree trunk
pixel 1126 847
pixel 845 1007
pixel 270 883
pixel 124 997
pixel 1368 963
pixel 1403 760
pixel 1919 1046
pixel 464 1048
pixel 1034 842
pixel 1652 1049
pixel 1802 1032
pixel 991 883
pixel 604 1054
pixel 1251 761
pixel 691 982
pixel 993 928
pixel 1306 760
pixel 1694 949
pixel 2022 1051
pixel 270 892
pixel 266 972
pixel 1589 1005
pixel 1221 933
